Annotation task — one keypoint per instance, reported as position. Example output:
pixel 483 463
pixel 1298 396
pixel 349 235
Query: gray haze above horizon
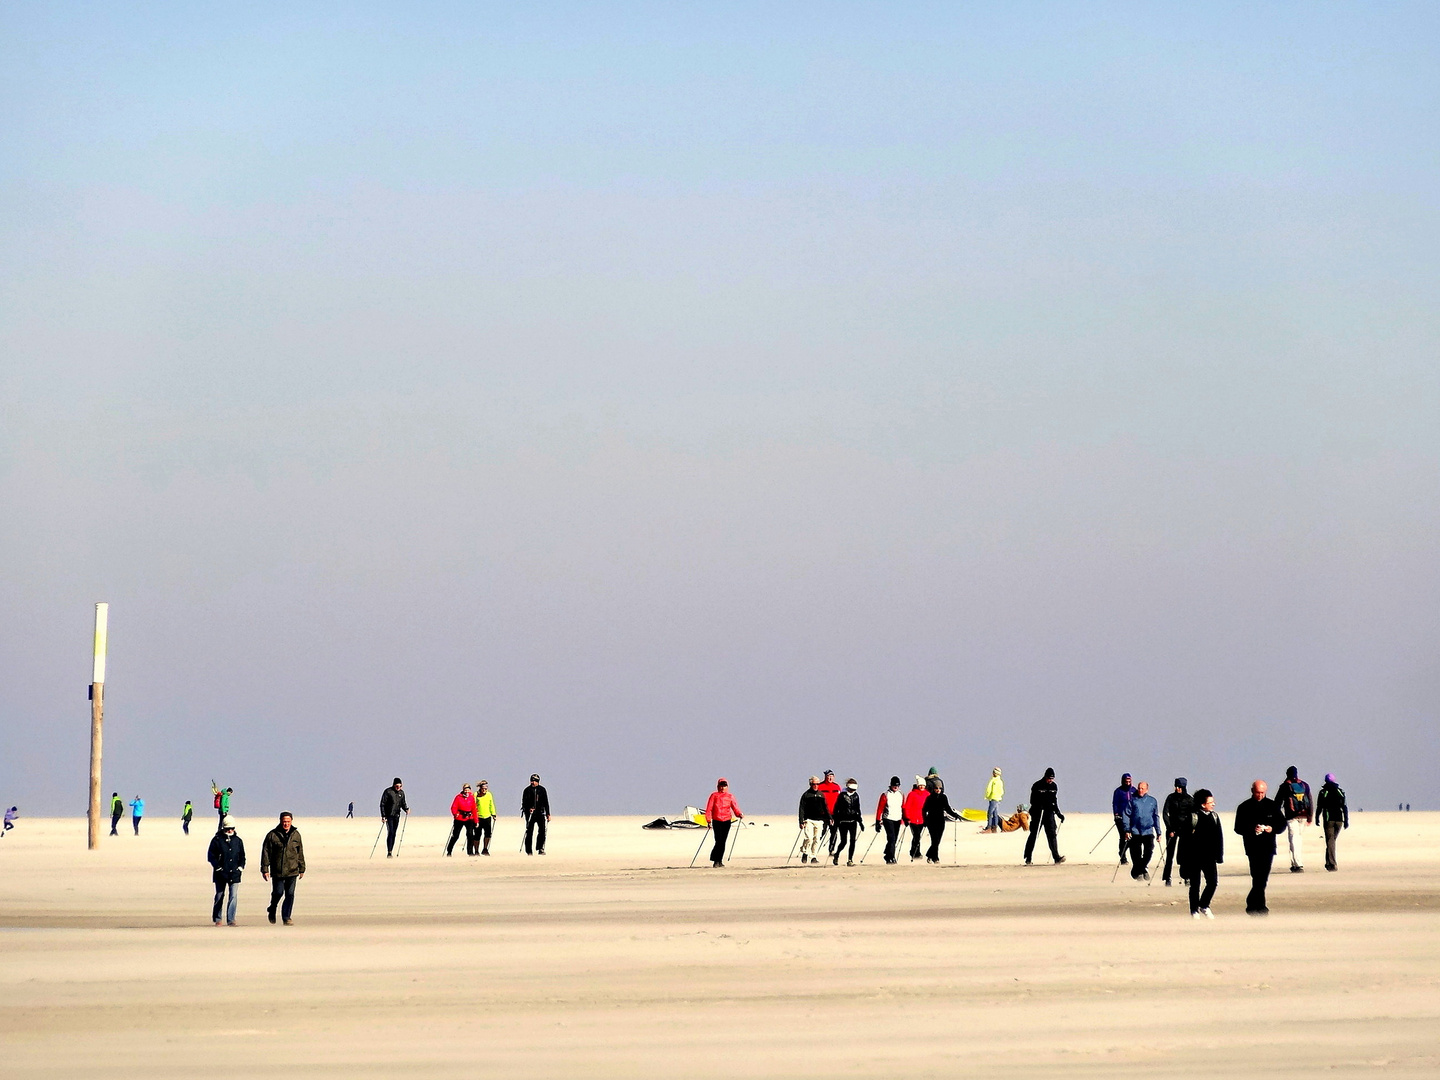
pixel 642 394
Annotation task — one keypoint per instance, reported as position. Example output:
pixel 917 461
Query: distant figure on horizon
pixel 137 811
pixel 187 814
pixel 10 816
pixel 222 802
pixel 282 863
pixel 721 811
pixel 1333 814
pixel 485 814
pixel 1257 820
pixel 994 792
pixel 117 809
pixel 1293 798
pixel 227 859
pixel 1142 827
pixel 1119 804
pixel 1202 850
pixel 535 808
pixel 1179 807
pixel 350 812
pixel 1044 811
pixel 392 805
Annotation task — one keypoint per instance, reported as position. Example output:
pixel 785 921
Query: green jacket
pixel 117 805
pixel 224 802
pixel 485 805
pixel 282 855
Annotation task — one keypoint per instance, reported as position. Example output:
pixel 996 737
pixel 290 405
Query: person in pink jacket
pixel 462 809
pixel 720 811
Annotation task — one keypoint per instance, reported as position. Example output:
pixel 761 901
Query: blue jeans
pixel 220 887
pixel 992 815
pixel 282 887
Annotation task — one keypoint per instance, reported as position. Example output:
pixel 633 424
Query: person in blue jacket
pixel 1142 826
pixel 137 811
pixel 1119 806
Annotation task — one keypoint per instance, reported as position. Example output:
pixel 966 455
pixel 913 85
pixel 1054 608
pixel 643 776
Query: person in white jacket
pixel 890 815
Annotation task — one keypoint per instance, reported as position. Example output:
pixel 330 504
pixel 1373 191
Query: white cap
pixel 227 822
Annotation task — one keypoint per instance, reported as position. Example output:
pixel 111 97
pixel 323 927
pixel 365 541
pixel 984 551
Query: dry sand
pixel 609 958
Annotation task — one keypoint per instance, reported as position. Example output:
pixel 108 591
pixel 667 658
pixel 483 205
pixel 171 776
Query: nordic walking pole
pixel 735 840
pixel 1102 838
pixel 377 838
pixel 798 833
pixel 1117 871
pixel 702 844
pixel 871 845
pixel 401 842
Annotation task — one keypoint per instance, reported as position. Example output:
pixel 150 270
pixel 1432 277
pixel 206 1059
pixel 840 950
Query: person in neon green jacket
pixel 484 814
pixel 994 792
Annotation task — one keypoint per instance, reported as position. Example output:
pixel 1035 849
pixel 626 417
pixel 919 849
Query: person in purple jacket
pixel 1119 805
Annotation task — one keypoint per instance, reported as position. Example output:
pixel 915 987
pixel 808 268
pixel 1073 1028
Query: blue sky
pixel 642 393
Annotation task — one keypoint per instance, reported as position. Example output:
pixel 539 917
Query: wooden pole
pixel 97 717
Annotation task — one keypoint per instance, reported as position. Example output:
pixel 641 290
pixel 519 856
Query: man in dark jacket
pixel 846 817
pixel 1258 819
pixel 1333 814
pixel 1178 808
pixel 535 809
pixel 227 859
pixel 1202 850
pixel 392 805
pixel 831 790
pixel 117 808
pixel 1119 807
pixel 282 863
pixel 814 816
pixel 1295 803
pixel 937 811
pixel 1044 809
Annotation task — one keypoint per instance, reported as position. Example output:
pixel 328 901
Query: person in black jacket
pixel 846 818
pixel 1333 815
pixel 535 809
pixel 1202 850
pixel 1044 810
pixel 227 859
pixel 814 815
pixel 392 805
pixel 1176 812
pixel 937 811
pixel 1258 819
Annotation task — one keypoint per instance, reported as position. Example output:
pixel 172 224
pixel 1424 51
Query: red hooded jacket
pixel 463 808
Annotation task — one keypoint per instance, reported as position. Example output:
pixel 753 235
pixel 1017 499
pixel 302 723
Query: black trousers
pixel 846 832
pixel 915 831
pixel 469 828
pixel 1172 842
pixel 484 829
pixel 722 833
pixel 1142 849
pixel 1120 829
pixel 892 839
pixel 535 824
pixel 115 823
pixel 1047 821
pixel 1198 899
pixel 282 888
pixel 937 831
pixel 392 823
pixel 185 824
pixel 1259 877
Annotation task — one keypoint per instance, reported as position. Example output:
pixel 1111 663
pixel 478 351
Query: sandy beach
pixel 609 957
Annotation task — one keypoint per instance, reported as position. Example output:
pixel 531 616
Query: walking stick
pixel 1102 838
pixel 798 833
pixel 377 838
pixel 401 842
pixel 702 844
pixel 871 845
pixel 1117 872
pixel 735 840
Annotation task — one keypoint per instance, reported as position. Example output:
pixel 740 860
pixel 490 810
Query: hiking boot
pixel 1297 869
pixel 1124 861
pixel 835 860
pixel 804 858
pixel 1167 883
pixel 232 924
pixel 1145 875
pixel 1206 912
pixel 289 922
pixel 849 862
pixel 217 922
pixel 271 914
pixel 1059 860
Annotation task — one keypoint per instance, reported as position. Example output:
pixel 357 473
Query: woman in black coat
pixel 846 819
pixel 1201 853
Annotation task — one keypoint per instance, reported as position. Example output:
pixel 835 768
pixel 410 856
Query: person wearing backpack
pixel 1299 810
pixel 1333 815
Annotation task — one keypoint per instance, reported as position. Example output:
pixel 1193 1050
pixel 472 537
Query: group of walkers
pixel 832 815
pixel 473 813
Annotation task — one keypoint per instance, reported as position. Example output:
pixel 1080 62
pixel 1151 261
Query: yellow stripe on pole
pixel 102 622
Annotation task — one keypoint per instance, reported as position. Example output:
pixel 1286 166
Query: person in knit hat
pixel 721 810
pixel 994 792
pixel 1178 814
pixel 914 812
pixel 1333 815
pixel 890 816
pixel 1044 810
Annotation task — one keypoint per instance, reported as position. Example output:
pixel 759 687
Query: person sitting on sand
pixel 1018 821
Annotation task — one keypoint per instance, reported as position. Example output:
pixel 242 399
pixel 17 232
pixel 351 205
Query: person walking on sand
pixel 484 816
pixel 282 863
pixel 1295 803
pixel 10 816
pixel 914 811
pixel 721 811
pixel 890 815
pixel 1044 810
pixel 535 807
pixel 224 807
pixel 1142 826
pixel 227 859
pixel 186 815
pixel 847 817
pixel 814 815
pixel 1119 804
pixel 462 809
pixel 831 791
pixel 1202 850
pixel 1257 820
pixel 1179 807
pixel 936 812
pixel 137 811
pixel 351 812
pixel 1333 814
pixel 392 805
pixel 117 811
pixel 994 792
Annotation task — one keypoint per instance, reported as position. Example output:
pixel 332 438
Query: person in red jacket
pixel 721 810
pixel 831 790
pixel 914 813
pixel 462 809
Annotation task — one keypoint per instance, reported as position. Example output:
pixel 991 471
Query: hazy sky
pixel 646 393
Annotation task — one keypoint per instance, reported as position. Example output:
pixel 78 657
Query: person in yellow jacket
pixel 485 816
pixel 994 792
